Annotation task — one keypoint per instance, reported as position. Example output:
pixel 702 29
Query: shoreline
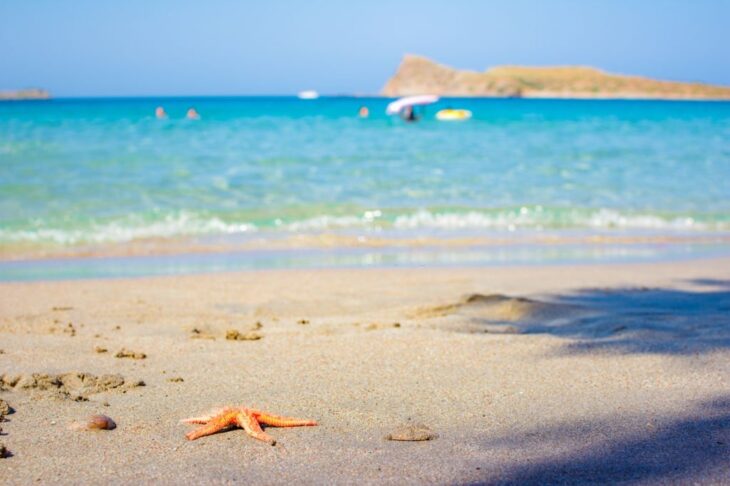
pixel 197 255
pixel 354 239
pixel 145 264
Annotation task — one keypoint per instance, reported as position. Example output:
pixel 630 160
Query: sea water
pixel 317 183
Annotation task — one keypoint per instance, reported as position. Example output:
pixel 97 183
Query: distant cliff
pixel 419 75
pixel 25 94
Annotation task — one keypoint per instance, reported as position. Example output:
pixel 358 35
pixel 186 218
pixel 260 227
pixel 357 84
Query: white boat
pixel 309 94
pixel 400 104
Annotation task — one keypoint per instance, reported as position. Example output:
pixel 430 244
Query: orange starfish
pixel 248 419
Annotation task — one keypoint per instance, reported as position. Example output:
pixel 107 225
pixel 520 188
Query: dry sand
pixel 575 374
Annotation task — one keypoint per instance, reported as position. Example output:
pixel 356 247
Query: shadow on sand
pixel 694 449
pixel 621 320
pixel 647 320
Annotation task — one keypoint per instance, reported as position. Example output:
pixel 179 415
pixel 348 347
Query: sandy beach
pixel 384 243
pixel 531 374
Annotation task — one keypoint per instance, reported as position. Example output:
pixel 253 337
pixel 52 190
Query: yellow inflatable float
pixel 451 114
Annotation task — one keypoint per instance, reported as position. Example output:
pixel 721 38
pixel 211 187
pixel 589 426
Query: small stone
pixel 303 322
pixel 376 326
pixel 4 452
pixel 4 409
pixel 416 432
pixel 233 335
pixel 70 330
pixel 176 379
pixel 198 334
pixel 126 353
pixel 100 349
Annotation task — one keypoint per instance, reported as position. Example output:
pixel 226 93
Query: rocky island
pixel 420 75
pixel 25 94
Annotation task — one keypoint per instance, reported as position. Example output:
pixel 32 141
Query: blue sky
pixel 220 47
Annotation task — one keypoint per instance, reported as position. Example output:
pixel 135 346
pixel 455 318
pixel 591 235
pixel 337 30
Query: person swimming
pixel 409 114
pixel 363 112
pixel 160 113
pixel 192 114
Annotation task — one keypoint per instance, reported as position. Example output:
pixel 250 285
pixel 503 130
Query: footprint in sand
pixel 73 386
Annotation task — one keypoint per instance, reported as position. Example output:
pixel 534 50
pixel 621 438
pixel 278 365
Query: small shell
pixel 101 422
pixel 95 422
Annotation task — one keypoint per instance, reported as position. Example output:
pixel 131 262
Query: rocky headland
pixel 25 94
pixel 419 75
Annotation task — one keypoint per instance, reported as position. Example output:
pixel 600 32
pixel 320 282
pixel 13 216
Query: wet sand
pixel 525 375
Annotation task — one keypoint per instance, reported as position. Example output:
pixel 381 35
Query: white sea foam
pixel 537 218
pixel 325 222
pixel 613 219
pixel 191 224
pixel 128 229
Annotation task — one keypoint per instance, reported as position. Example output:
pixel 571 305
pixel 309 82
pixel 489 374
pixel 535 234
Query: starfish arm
pixel 220 422
pixel 195 420
pixel 204 419
pixel 279 421
pixel 250 424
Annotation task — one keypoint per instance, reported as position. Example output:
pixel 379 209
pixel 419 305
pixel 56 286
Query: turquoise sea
pixel 263 182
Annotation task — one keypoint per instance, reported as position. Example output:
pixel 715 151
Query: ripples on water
pixel 99 172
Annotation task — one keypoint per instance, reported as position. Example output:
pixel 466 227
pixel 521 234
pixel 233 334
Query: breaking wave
pixel 186 224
